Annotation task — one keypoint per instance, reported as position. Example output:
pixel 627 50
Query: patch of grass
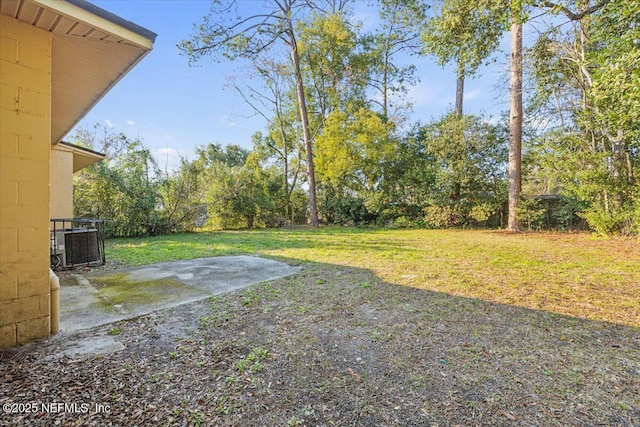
pixel 250 298
pixel 294 421
pixel 114 331
pixel 573 274
pixel 252 362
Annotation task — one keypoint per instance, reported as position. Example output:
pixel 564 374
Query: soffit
pixel 92 50
pixel 82 157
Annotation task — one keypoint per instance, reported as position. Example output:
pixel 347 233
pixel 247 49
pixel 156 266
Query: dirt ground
pixel 334 346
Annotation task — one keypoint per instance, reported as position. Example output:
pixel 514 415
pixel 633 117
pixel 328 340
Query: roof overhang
pixel 82 157
pixel 92 49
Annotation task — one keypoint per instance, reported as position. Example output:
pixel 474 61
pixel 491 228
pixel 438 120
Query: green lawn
pixel 573 274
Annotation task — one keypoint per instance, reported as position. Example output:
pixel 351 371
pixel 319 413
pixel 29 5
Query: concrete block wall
pixel 25 146
pixel 61 182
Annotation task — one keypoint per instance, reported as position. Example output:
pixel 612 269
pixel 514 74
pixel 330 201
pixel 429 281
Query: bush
pixel 621 222
pixel 532 212
pixel 439 216
pixel 404 222
pixel 299 204
pixel 343 209
pixel 481 212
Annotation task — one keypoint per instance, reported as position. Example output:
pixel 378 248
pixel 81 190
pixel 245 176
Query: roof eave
pixel 82 157
pixel 92 15
pixel 60 135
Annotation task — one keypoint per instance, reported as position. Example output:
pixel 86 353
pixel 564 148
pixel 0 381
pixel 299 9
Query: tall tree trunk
pixel 285 156
pixel 618 163
pixel 385 86
pixel 515 119
pixel 304 117
pixel 459 88
pixel 287 194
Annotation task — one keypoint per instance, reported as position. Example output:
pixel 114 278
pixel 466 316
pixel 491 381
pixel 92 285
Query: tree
pixel 182 197
pixel 615 92
pixel 280 143
pixel 239 192
pixel 515 116
pixel 237 197
pixel 399 33
pixel 336 69
pixel 465 33
pixel 410 179
pixel 333 68
pixel 103 140
pixel 353 150
pixel 226 33
pixel 586 75
pixel 269 153
pixel 212 155
pixel 469 180
pixel 123 189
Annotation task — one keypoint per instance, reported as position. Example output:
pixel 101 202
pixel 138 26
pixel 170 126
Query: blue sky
pixel 174 107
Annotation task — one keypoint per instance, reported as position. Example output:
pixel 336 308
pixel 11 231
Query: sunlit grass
pixel 573 274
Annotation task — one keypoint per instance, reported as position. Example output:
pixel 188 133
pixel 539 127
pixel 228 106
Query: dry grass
pixel 493 330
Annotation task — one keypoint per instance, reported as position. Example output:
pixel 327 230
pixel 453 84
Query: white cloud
pixel 130 122
pixel 420 95
pixel 167 151
pixel 472 94
pixel 108 123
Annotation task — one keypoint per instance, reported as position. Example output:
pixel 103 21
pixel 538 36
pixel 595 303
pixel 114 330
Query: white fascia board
pixel 75 12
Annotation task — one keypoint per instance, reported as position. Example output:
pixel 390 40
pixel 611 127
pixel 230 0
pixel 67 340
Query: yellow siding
pixel 25 146
pixel 61 182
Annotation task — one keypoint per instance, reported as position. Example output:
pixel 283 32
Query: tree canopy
pixel 339 148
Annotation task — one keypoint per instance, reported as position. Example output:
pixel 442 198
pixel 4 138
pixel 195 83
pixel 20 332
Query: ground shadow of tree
pixel 336 345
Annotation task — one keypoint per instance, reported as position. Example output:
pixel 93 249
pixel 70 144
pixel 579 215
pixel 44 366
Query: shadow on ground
pixel 337 346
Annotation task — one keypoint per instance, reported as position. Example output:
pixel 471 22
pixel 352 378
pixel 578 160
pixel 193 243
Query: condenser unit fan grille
pixel 81 247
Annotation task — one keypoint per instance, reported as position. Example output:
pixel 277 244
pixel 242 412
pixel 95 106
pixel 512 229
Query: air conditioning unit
pixel 76 246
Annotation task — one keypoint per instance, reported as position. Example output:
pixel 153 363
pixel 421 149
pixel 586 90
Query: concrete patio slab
pixel 110 296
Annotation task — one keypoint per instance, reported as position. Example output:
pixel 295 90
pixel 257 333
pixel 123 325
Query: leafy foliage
pixel 464 32
pixel 334 98
pixel 124 190
pixel 469 174
pixel 587 91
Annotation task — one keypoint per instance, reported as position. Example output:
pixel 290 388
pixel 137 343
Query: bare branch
pixel 575 16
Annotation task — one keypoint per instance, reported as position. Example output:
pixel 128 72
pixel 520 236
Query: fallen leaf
pixel 508 415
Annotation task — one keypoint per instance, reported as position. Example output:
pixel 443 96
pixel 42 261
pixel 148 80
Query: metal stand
pixel 76 241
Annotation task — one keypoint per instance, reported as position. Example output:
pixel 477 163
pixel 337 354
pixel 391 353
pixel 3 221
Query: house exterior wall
pixel 25 146
pixel 61 182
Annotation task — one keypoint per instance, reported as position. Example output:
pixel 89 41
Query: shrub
pixel 439 216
